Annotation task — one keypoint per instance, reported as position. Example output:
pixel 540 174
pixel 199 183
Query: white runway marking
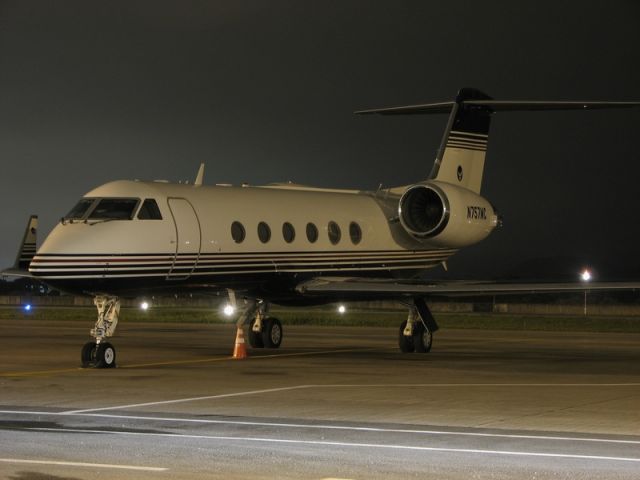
pixel 81 464
pixel 330 427
pixel 347 444
pixel 183 400
pixel 380 385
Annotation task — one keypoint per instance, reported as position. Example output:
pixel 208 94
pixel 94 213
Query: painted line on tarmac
pixel 303 426
pixel 184 362
pixel 82 464
pixel 34 373
pixel 251 357
pixel 184 400
pixel 316 386
pixel 345 444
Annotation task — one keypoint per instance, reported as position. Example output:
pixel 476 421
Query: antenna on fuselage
pixel 199 176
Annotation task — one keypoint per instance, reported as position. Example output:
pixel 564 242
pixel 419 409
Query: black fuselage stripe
pixel 235 269
pixel 254 253
pixel 222 267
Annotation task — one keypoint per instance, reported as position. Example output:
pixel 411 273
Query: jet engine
pixel 446 215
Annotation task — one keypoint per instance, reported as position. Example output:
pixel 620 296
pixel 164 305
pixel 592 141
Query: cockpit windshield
pixel 114 209
pixel 80 210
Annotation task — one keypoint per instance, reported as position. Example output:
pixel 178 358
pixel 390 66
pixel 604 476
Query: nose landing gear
pixel 98 353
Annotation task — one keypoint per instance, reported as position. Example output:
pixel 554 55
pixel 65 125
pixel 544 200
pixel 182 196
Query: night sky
pixel 264 92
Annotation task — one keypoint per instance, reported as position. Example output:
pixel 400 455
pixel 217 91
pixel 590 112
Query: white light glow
pixel 144 305
pixel 342 309
pixel 585 276
pixel 229 310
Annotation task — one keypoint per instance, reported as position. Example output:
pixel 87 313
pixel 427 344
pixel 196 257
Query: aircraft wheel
pixel 255 338
pixel 271 332
pixel 422 338
pixel 105 356
pixel 405 343
pixel 88 354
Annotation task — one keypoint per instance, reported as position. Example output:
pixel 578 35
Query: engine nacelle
pixel 446 215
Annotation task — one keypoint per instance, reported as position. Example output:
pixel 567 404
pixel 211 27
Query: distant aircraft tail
pixel 28 246
pixel 461 156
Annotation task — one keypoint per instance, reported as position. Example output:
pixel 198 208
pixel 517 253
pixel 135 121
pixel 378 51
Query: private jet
pixel 287 244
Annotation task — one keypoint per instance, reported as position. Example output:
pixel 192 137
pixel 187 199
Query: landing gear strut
pixel 416 332
pixel 264 331
pixel 98 353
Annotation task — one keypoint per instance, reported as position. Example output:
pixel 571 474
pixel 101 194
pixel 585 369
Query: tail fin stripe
pixel 468 140
pixel 480 136
pixel 466 147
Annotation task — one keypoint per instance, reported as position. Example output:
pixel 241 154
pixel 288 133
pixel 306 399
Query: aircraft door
pixel 187 239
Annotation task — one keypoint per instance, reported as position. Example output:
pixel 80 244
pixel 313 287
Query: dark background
pixel 263 91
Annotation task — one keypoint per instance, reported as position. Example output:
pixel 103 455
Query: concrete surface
pixel 330 403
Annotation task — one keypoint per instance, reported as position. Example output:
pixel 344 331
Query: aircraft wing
pixel 389 288
pixel 15 272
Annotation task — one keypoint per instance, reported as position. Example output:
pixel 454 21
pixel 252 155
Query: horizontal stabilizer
pixel 498 106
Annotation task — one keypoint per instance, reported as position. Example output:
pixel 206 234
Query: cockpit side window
pixel 114 209
pixel 149 210
pixel 80 210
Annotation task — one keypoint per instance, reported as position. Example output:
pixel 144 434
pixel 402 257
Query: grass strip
pixel 371 318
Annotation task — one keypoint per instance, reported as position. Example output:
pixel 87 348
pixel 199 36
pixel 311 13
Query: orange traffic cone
pixel 240 350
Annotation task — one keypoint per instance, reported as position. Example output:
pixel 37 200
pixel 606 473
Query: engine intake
pixel 424 211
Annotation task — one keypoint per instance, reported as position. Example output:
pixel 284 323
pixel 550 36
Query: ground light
pixel 144 305
pixel 586 277
pixel 342 309
pixel 27 307
pixel 229 310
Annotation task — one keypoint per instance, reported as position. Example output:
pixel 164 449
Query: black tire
pixel 422 338
pixel 88 354
pixel 271 332
pixel 105 356
pixel 405 343
pixel 255 338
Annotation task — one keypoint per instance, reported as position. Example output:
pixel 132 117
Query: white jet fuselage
pixel 265 240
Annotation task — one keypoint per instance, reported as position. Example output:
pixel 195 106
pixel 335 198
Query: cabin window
pixel 312 232
pixel 237 232
pixel 355 232
pixel 264 232
pixel 149 210
pixel 288 232
pixel 334 232
pixel 80 210
pixel 114 209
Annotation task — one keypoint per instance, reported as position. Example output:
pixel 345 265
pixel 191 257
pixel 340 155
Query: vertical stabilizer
pixel 460 159
pixel 28 246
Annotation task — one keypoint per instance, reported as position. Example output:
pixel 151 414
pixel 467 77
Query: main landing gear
pixel 264 331
pixel 98 353
pixel 416 332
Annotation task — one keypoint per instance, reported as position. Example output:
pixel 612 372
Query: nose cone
pixel 65 239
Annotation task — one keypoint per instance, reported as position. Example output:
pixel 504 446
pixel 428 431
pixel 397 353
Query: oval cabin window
pixel 312 232
pixel 237 232
pixel 355 232
pixel 288 232
pixel 264 232
pixel 334 232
